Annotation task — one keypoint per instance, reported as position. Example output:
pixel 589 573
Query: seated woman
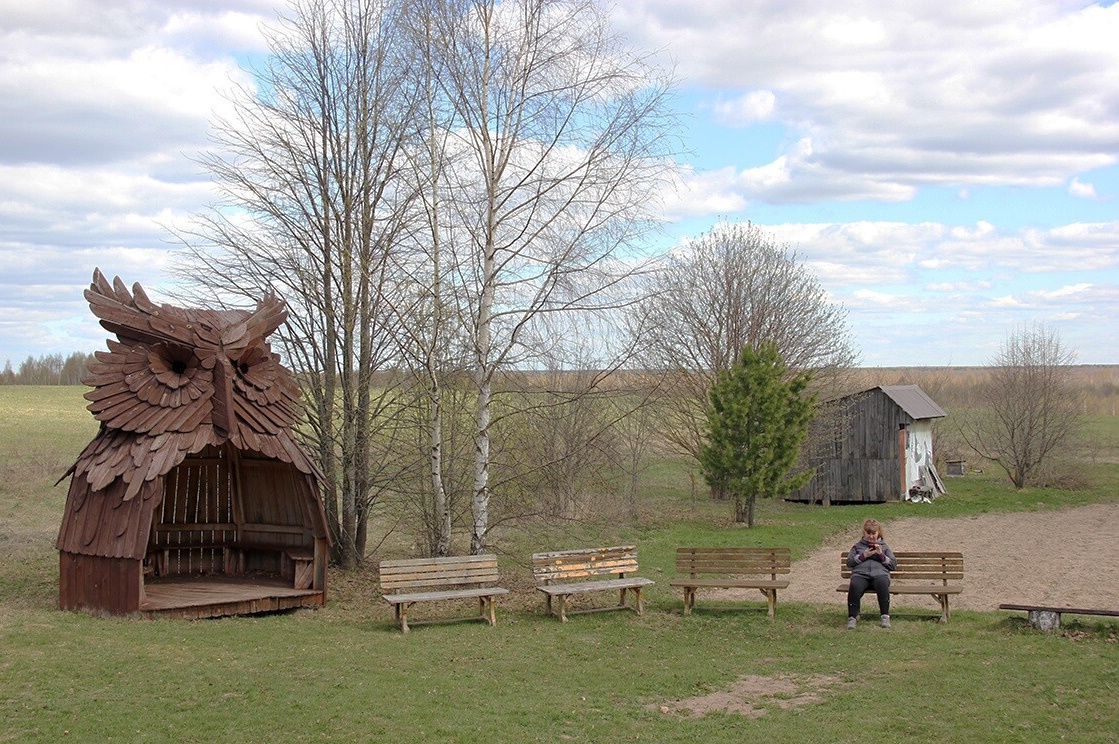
pixel 871 562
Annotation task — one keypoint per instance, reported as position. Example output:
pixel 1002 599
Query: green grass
pixel 344 674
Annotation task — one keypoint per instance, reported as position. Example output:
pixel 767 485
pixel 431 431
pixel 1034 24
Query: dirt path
pixel 1067 558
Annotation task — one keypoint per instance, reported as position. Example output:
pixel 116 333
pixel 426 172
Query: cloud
pixel 102 107
pixel 897 96
pixel 1081 190
pixel 754 106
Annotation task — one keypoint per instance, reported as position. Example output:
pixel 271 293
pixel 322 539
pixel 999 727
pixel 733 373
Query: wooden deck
pixel 217 596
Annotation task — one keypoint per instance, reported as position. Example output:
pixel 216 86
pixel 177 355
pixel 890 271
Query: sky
pixel 948 169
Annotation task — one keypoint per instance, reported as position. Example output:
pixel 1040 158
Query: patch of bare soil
pixel 752 695
pixel 1065 558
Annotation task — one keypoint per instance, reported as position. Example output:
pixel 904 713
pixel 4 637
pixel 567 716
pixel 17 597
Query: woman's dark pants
pixel 859 585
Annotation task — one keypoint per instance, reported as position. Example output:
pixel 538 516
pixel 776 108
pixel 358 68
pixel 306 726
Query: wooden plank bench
pixel 411 580
pixel 295 563
pixel 559 574
pixel 731 568
pixel 1044 617
pixel 920 572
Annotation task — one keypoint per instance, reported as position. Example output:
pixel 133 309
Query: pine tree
pixel 757 416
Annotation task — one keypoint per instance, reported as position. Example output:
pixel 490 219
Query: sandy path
pixel 1016 558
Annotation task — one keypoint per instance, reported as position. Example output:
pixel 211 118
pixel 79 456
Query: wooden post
pixel 902 435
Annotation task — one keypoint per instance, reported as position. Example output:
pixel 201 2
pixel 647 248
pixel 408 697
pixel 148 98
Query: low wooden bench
pixel 560 574
pixel 732 568
pixel 1044 617
pixel 411 580
pixel 920 572
pixel 296 564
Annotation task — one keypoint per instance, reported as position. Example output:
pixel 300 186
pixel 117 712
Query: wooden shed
pixel 194 499
pixel 873 446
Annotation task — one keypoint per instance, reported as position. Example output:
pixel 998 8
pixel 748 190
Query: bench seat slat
pixel 731 583
pixel 898 587
pixel 1064 610
pixel 449 594
pixel 594 586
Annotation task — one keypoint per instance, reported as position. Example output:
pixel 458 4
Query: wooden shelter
pixel 873 446
pixel 194 499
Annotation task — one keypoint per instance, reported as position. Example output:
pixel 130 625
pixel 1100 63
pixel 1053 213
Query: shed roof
pixel 913 400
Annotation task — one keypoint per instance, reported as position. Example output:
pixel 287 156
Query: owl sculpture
pixel 174 382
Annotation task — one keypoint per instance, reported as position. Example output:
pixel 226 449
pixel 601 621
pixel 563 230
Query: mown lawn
pixel 344 674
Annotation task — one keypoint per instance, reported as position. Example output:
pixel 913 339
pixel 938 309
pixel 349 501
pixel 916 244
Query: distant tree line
pixel 52 369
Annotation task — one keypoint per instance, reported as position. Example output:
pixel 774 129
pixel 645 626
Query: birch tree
pixel 559 133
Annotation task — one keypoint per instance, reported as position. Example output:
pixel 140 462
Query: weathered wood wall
pixel 856 453
pixel 109 586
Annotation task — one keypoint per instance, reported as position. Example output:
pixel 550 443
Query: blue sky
pixel 949 170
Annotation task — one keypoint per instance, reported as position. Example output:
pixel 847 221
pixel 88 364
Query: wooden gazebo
pixel 194 499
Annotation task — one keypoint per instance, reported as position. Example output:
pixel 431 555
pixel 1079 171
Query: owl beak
pixel 223 415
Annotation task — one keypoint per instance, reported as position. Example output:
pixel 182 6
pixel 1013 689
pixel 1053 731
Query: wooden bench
pixel 296 564
pixel 921 572
pixel 1044 617
pixel 731 568
pixel 408 581
pixel 560 574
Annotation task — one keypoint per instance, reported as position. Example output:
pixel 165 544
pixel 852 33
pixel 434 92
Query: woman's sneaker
pixel 885 621
pixel 851 623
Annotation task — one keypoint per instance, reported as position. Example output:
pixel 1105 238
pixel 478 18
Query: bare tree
pixel 312 171
pixel 558 136
pixel 734 288
pixel 1030 404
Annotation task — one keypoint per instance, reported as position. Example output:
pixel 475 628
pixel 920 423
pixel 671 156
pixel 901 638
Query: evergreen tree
pixel 757 416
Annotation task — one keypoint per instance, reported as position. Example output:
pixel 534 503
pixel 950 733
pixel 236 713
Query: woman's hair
pixel 876 526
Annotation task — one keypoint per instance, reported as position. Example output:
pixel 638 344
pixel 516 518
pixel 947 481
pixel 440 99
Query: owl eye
pixel 173 366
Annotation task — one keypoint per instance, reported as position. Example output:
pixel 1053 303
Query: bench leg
pixel 562 603
pixel 402 615
pixel 621 597
pixel 771 600
pixel 1044 620
pixel 485 607
pixel 640 603
pixel 944 612
pixel 689 599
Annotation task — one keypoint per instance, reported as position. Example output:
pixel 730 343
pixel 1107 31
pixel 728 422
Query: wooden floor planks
pixel 217 596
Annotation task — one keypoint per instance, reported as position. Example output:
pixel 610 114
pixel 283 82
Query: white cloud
pixel 102 105
pixel 754 106
pixel 899 95
pixel 1081 190
pixel 702 193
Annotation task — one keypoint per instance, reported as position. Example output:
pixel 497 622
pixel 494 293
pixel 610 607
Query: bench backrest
pixel 430 573
pixel 733 561
pixel 920 566
pixel 565 565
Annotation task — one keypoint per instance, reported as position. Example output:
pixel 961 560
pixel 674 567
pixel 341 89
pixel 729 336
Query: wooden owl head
pixel 189 372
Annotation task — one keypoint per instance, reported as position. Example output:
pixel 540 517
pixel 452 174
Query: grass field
pixel 344 674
